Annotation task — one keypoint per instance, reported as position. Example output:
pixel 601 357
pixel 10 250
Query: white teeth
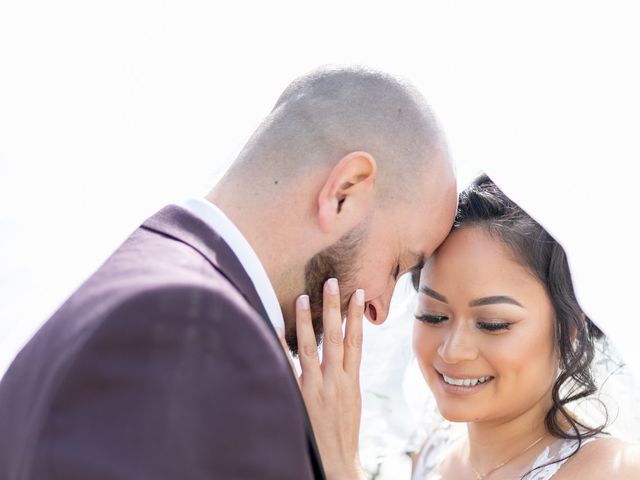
pixel 465 382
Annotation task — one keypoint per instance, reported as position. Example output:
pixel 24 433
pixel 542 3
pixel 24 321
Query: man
pixel 166 363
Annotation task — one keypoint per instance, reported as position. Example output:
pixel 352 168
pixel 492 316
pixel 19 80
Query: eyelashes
pixel 488 326
pixel 432 319
pixel 494 327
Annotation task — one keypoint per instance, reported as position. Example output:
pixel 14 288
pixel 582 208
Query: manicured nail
pixel 303 302
pixel 360 297
pixel 332 286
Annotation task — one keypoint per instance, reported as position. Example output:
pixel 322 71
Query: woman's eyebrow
pixel 478 302
pixel 433 294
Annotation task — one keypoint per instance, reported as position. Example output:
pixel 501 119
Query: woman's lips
pixel 463 385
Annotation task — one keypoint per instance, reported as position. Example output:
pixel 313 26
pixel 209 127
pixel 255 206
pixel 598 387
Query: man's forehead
pixel 425 237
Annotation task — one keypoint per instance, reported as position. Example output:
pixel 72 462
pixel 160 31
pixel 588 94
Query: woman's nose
pixel 458 345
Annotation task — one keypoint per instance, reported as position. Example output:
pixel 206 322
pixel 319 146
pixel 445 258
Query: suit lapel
pixel 183 226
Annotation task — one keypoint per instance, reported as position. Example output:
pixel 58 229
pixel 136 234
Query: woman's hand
pixel 331 389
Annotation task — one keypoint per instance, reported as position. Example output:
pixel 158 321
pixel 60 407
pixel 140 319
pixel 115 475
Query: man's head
pixel 348 176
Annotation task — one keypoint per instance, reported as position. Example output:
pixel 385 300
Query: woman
pixel 505 348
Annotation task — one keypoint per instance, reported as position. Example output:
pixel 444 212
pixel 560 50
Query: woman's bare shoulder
pixel 603 458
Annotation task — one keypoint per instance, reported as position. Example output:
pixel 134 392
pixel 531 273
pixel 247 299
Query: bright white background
pixel 109 110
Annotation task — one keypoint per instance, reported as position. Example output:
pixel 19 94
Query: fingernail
pixel 303 302
pixel 359 297
pixel 332 286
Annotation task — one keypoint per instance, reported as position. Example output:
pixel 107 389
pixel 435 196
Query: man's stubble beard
pixel 341 261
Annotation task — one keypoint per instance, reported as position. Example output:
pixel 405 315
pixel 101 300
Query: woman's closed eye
pixel 431 319
pixel 493 326
pixel 488 326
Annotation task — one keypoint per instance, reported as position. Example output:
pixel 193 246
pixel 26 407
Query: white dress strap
pixel 558 452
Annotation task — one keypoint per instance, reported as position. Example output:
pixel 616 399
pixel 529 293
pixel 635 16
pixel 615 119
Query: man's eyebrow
pixel 433 294
pixel 478 302
pixel 419 256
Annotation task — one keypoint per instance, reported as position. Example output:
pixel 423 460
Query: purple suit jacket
pixel 162 365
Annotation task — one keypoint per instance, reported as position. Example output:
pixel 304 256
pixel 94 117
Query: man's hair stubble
pixel 333 111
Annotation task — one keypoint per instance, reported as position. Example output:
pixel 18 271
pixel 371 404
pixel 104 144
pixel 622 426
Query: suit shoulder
pixel 176 372
pixel 177 307
pixel 187 300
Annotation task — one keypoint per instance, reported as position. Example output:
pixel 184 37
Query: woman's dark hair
pixel 482 204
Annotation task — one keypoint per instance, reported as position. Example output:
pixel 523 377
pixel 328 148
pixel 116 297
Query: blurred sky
pixel 110 110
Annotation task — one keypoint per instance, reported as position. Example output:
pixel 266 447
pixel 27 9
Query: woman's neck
pixel 492 442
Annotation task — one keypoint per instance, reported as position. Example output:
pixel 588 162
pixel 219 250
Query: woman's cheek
pixel 424 345
pixel 523 362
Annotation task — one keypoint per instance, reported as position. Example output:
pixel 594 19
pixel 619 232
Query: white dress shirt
pixel 217 220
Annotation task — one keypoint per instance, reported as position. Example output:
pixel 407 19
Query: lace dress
pixel 442 440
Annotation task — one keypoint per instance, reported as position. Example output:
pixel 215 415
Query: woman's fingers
pixel 307 347
pixel 332 349
pixel 353 334
pixel 331 392
pixel 339 352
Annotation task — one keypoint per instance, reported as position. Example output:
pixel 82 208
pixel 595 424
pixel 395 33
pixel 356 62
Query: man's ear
pixel 347 194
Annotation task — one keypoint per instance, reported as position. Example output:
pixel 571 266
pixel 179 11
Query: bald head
pixel 348 176
pixel 330 112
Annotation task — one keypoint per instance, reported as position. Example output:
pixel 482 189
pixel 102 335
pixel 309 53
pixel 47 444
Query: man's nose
pixel 377 310
pixel 458 345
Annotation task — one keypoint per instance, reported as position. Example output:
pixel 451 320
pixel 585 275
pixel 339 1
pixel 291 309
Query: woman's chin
pixel 457 417
pixel 458 413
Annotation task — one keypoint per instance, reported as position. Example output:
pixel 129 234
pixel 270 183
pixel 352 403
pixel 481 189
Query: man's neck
pixel 260 227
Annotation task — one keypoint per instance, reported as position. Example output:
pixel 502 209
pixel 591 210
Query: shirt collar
pixel 218 221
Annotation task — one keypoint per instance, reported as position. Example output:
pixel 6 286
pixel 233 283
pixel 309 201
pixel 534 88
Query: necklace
pixel 482 476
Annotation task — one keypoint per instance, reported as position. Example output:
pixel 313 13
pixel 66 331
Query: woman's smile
pixel 458 384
